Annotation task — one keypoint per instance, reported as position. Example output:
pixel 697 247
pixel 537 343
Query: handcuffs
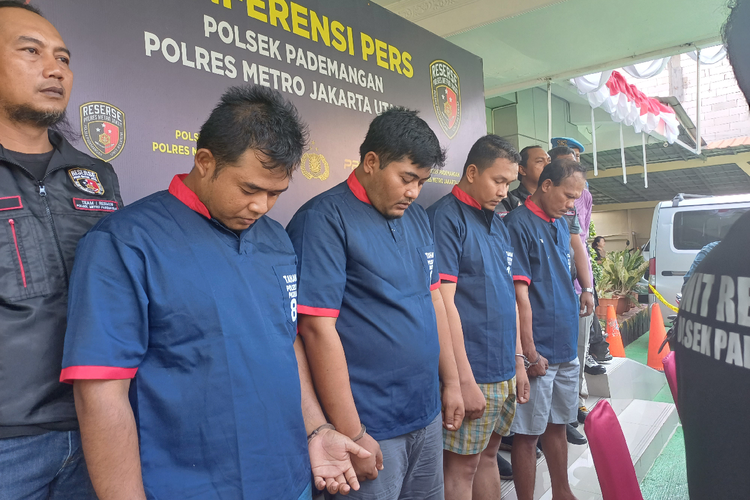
pixel 528 364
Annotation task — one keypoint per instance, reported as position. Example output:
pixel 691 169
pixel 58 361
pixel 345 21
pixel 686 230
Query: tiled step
pixel 626 379
pixel 647 427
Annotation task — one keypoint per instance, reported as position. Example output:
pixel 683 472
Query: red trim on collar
pixel 465 198
pixel 179 190
pixel 357 189
pixel 537 211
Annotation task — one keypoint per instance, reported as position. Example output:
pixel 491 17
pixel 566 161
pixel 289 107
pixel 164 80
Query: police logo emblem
pixel 446 96
pixel 314 165
pixel 86 180
pixel 103 129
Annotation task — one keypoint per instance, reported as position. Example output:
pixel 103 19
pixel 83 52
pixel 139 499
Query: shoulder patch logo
pixel 86 180
pixel 103 129
pixel 446 96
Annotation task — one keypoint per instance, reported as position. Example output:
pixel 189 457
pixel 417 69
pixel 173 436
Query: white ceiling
pixel 523 42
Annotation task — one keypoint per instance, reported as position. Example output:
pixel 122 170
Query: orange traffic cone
pixel 613 334
pixel 656 336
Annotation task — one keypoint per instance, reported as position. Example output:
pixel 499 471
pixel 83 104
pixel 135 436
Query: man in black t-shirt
pixel 712 344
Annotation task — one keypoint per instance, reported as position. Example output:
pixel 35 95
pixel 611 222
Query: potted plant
pixel 620 274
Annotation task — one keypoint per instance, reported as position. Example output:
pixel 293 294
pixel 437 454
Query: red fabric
pixel 183 193
pixel 434 286
pixel 611 455
pixel 618 85
pixel 537 211
pixel 318 311
pixel 449 277
pixel 465 198
pixel 522 278
pixel 357 188
pixel 71 373
pixel 671 372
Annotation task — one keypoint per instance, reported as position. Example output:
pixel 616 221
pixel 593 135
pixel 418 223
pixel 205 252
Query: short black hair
pixel 400 133
pixel 259 118
pixel 560 169
pixel 525 154
pixel 489 148
pixel 737 40
pixel 525 157
pixel 560 151
pixel 17 4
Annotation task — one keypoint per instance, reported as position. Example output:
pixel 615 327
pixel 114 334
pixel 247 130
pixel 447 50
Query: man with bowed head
pixel 189 378
pixel 371 314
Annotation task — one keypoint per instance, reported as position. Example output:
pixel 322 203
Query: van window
pixel 695 229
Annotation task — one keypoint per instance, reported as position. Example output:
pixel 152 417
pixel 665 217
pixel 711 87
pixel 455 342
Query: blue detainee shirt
pixel 375 275
pixel 541 258
pixel 474 251
pixel 203 321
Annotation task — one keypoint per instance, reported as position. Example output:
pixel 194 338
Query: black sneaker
pixel 506 470
pixel 574 437
pixel 592 367
pixel 604 358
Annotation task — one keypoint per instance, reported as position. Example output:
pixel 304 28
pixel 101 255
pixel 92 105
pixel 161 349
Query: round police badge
pixel 86 180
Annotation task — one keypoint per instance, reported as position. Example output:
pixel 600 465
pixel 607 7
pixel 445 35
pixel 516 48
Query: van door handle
pixel 673 273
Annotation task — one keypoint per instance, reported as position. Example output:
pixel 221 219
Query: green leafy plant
pixel 595 266
pixel 621 272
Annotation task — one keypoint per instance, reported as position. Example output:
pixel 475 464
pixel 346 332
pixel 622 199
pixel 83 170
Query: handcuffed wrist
pixel 314 433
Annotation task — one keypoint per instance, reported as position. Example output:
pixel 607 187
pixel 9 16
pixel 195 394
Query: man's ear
pixel 371 163
pixel 472 172
pixel 521 170
pixel 204 163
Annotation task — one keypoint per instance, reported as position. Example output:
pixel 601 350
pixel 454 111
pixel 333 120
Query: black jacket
pixel 41 222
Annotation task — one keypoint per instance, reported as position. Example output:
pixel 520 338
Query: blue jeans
pixel 47 466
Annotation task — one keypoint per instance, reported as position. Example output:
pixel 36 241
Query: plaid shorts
pixel 474 435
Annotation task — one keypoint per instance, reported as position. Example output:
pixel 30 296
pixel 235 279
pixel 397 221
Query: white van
pixel 679 229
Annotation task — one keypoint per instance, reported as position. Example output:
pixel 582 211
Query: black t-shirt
pixel 34 163
pixel 713 370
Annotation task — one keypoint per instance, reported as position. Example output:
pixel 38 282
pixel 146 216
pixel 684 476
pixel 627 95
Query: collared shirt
pixel 541 259
pixel 375 275
pixel 474 251
pixel 203 321
pixel 517 197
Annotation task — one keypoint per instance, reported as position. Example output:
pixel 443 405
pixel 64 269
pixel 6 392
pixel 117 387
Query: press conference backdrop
pixel 148 73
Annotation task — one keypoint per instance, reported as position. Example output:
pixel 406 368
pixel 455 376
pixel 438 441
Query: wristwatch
pixel 590 290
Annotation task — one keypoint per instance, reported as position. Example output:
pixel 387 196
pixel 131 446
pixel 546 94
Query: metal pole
pixel 593 142
pixel 645 170
pixel 622 157
pixel 698 103
pixel 549 113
